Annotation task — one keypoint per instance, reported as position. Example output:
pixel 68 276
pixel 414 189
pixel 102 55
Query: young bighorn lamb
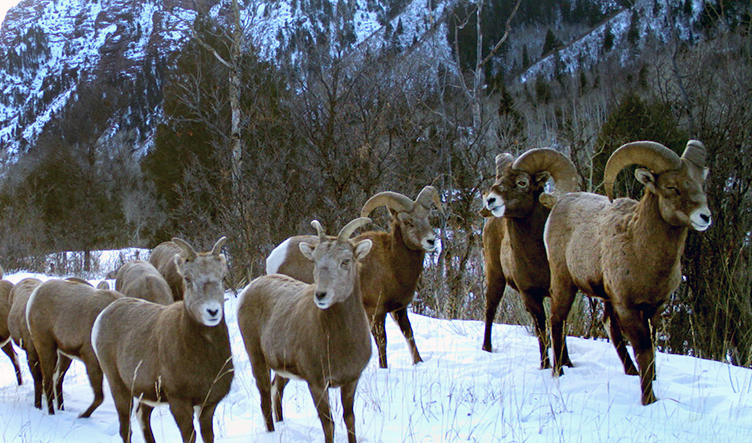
pixel 316 332
pixel 19 331
pixel 514 253
pixel 163 258
pixel 624 251
pixel 140 279
pixel 177 354
pixel 60 314
pixel 5 338
pixel 389 274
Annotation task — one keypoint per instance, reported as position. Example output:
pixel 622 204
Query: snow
pixel 459 394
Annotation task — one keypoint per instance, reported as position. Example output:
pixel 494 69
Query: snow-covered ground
pixel 460 394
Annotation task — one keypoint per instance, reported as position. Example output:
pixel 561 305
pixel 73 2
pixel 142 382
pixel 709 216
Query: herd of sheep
pixel 160 336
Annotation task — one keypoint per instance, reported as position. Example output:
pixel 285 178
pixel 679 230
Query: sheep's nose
pixel 431 241
pixel 705 218
pixel 320 295
pixel 491 200
pixel 213 312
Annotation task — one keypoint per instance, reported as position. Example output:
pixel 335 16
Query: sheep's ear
pixel 647 178
pixel 362 249
pixel 179 262
pixel 307 250
pixel 541 178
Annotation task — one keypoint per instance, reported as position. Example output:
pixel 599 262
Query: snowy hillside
pixel 460 394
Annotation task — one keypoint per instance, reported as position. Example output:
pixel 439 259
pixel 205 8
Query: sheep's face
pixel 515 194
pixel 204 286
pixel 416 228
pixel 334 269
pixel 681 198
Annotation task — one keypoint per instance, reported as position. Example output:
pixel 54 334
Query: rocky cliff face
pixel 49 48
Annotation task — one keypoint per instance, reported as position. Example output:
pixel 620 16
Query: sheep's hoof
pixel 648 399
pixel 487 348
pixel 631 370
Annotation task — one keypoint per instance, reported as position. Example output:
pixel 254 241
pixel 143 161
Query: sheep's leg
pixel 123 398
pixel 320 396
pixel 614 332
pixel 11 353
pixel 143 413
pixel 400 317
pixel 95 379
pixel 534 306
pixel 562 297
pixel 348 400
pixel 379 334
pixel 36 374
pixel 182 412
pixel 495 285
pixel 63 363
pixel 264 385
pixel 278 388
pixel 636 329
pixel 205 418
pixel 48 362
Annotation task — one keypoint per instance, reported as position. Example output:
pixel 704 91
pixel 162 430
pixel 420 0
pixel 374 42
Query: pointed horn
pixel 429 195
pixel 392 200
pixel 347 231
pixel 188 252
pixel 502 160
pixel 560 167
pixel 319 229
pixel 652 155
pixel 695 153
pixel 217 249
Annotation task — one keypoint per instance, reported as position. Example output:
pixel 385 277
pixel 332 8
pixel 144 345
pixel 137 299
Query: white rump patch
pixel 277 257
pixel 29 302
pixel 95 333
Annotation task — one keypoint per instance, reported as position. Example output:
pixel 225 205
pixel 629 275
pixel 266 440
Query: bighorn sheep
pixel 5 338
pixel 624 251
pixel 163 258
pixel 316 332
pixel 60 315
pixel 514 253
pixel 19 330
pixel 140 279
pixel 178 353
pixel 389 274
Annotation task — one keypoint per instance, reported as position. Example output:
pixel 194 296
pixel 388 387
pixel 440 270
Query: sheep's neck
pixel 528 231
pixel 648 229
pixel 346 319
pixel 407 271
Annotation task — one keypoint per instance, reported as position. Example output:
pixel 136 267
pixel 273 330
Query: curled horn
pixel 217 249
pixel 695 153
pixel 429 195
pixel 502 160
pixel 652 155
pixel 392 200
pixel 319 229
pixel 188 252
pixel 560 167
pixel 347 231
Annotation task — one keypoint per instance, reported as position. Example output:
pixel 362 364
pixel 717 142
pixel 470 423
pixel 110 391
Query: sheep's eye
pixel 408 223
pixel 522 183
pixel 345 263
pixel 187 279
pixel 674 189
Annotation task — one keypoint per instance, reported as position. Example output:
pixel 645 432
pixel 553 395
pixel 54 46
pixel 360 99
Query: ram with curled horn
pixel 516 207
pixel 389 274
pixel 627 252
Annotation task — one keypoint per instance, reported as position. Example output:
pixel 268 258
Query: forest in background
pixel 315 143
